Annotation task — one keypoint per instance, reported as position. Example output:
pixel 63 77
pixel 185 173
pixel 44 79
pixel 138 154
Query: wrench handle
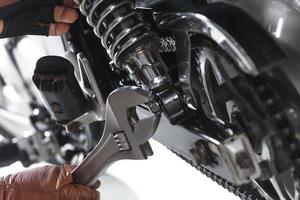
pixel 89 170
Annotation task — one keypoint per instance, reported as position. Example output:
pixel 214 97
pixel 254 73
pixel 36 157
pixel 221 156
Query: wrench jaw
pixel 146 126
pixel 126 97
pixel 122 139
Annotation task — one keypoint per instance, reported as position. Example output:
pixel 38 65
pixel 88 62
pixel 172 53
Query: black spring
pixel 120 27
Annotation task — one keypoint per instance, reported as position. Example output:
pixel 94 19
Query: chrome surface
pixel 241 158
pixel 206 59
pixel 90 88
pixel 81 121
pixel 197 23
pixel 172 104
pixel 89 85
pixel 147 68
pixel 128 40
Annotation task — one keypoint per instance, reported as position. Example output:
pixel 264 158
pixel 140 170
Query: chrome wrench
pixel 125 136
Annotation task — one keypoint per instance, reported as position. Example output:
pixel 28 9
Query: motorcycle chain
pixel 244 192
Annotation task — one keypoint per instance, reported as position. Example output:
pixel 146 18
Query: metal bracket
pixel 90 88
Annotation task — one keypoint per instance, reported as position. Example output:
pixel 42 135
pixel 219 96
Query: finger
pixel 58 29
pixel 1 26
pixel 79 192
pixel 88 193
pixel 65 15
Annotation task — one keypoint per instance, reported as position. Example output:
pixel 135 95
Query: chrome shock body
pixel 133 47
pixel 128 40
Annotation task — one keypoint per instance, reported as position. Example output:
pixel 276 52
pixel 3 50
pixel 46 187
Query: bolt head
pixel 243 160
pixel 155 107
pixel 56 108
pixel 73 127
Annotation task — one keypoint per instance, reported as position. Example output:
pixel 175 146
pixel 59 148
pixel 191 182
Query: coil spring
pixel 120 27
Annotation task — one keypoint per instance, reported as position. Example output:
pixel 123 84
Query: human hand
pixel 36 17
pixel 47 183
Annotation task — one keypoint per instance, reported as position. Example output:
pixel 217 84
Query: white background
pixel 163 176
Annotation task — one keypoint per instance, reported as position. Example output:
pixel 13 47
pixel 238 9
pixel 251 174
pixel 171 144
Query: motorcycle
pixel 215 81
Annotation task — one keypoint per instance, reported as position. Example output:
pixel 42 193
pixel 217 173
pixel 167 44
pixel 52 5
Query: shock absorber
pixel 133 47
pixel 129 40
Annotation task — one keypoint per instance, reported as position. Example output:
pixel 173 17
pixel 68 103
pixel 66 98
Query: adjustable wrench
pixel 125 136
